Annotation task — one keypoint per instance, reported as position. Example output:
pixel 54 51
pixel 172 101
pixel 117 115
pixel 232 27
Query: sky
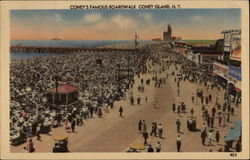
pixel 121 24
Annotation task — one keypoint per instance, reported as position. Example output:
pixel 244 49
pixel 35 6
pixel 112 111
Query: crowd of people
pixel 211 107
pixel 100 83
pixel 32 114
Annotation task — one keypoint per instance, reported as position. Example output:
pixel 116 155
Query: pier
pixel 62 50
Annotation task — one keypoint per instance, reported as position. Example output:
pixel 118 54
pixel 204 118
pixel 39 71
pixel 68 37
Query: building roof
pixel 231 31
pixel 64 89
pixel 156 39
pixel 206 50
pixel 181 43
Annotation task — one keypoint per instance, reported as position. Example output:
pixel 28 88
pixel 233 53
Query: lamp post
pixel 56 96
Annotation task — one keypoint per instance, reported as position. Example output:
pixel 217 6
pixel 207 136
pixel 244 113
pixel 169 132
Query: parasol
pixel 234 133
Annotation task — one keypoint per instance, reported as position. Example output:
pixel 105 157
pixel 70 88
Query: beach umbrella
pixel 237 124
pixel 28 89
pixel 44 100
pixel 234 133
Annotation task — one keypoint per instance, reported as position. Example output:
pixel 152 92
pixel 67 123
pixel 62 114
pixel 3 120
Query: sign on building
pixel 220 70
pixel 232 43
pixel 235 47
pixel 234 72
pixel 227 39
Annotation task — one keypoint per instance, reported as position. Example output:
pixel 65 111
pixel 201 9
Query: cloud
pixel 92 18
pixel 122 25
pixel 123 22
pixel 58 17
pixel 196 18
pixel 146 17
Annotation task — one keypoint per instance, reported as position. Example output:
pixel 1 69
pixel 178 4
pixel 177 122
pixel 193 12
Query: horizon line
pixel 105 39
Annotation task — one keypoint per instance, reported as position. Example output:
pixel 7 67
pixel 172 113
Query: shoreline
pixel 125 45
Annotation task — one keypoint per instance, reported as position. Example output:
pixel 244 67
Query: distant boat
pixel 19 44
pixel 56 39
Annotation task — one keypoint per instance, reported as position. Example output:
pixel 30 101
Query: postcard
pixel 120 79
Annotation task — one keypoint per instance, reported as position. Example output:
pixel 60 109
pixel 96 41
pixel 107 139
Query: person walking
pixel 145 136
pixel 73 124
pixel 132 100
pixel 192 111
pixel 178 92
pixel 210 98
pixel 216 100
pixel 232 111
pixel 203 136
pixel 206 99
pixel 38 130
pixel 212 122
pixel 210 135
pixel 217 136
pixel 67 125
pixel 155 103
pixel 30 146
pixel 144 126
pixel 178 109
pixel 202 100
pixel 178 125
pixel 160 130
pixel 105 106
pixel 111 104
pixel 140 125
pixel 213 111
pixel 220 120
pixel 150 149
pixel 121 111
pixel 208 120
pixel 192 98
pixel 158 147
pixel 153 129
pixel 91 111
pixel 228 116
pixel 138 100
pixel 99 112
pixel 238 146
pixel 224 119
pixel 178 143
pixel 206 114
pixel 173 107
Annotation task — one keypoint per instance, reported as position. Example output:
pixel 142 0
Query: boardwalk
pixel 114 134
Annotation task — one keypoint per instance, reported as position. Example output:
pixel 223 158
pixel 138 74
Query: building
pixel 232 44
pixel 180 47
pixel 167 35
pixel 176 39
pixel 63 95
pixel 157 39
pixel 207 54
pixel 232 59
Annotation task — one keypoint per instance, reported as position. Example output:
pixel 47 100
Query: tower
pixel 169 29
pixel 167 35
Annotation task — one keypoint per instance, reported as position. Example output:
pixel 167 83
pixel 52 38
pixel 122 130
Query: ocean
pixel 58 43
